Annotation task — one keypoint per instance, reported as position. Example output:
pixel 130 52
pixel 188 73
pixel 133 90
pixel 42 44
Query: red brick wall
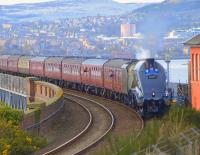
pixel 195 76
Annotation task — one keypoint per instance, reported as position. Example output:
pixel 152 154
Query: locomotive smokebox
pixel 150 63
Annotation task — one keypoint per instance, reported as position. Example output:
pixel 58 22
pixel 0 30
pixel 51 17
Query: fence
pixel 13 83
pixel 13 91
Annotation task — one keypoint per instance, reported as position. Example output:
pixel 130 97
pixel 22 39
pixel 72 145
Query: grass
pixel 176 121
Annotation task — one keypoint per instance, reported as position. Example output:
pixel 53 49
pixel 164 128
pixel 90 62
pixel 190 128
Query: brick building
pixel 194 45
pixel 128 30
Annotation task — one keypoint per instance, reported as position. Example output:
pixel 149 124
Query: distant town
pixel 96 36
pixel 100 77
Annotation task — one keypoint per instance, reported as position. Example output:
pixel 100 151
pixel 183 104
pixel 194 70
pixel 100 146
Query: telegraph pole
pixel 167 60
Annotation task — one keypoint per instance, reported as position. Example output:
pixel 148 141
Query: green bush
pixel 9 114
pixel 13 140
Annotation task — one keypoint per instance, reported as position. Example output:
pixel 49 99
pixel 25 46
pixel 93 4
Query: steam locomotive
pixel 140 84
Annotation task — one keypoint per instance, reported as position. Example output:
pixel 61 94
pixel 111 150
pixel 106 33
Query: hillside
pixel 169 6
pixel 63 9
pixel 157 19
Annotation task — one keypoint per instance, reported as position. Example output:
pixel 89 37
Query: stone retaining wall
pixel 45 101
pixel 39 100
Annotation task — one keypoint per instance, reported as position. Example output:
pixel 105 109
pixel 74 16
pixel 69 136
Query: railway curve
pixel 122 120
pixel 127 120
pixel 102 122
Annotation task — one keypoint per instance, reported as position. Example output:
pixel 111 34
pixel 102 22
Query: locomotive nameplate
pixel 152 76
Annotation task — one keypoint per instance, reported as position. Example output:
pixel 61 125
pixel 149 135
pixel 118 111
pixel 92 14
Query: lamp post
pixel 167 60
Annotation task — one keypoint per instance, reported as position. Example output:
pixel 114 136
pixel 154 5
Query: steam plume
pixel 142 53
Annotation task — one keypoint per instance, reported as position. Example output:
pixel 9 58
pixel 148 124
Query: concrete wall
pixel 39 100
pixel 46 100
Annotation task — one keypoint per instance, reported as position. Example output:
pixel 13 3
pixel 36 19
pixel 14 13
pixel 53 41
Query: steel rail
pixel 130 109
pixel 81 134
pixel 109 129
pixel 123 105
pixel 78 135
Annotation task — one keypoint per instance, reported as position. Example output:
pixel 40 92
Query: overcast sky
pixel 139 1
pixel 10 2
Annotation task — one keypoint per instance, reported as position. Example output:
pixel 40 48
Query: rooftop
pixel 194 41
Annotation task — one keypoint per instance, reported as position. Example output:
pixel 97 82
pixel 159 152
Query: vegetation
pixel 13 140
pixel 7 114
pixel 177 120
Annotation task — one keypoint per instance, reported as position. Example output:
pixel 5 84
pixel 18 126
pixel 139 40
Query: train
pixel 140 84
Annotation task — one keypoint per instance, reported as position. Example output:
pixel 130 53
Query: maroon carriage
pixel 13 63
pixel 71 69
pixel 4 62
pixel 37 66
pixel 53 67
pixel 92 72
pixel 114 71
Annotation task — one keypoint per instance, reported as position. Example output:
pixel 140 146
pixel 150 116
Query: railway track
pixel 115 106
pixel 127 120
pixel 101 121
pixel 105 116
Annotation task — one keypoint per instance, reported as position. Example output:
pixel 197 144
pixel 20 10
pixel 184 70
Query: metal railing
pixel 13 91
pixel 13 84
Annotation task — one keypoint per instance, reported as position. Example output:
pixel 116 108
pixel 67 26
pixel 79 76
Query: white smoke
pixel 142 53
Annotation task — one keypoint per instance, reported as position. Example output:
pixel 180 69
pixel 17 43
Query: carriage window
pixel 111 74
pixel 70 69
pixel 116 75
pixel 76 70
pixel 85 69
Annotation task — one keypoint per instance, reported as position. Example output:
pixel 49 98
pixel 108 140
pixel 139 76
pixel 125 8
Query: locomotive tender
pixel 139 84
